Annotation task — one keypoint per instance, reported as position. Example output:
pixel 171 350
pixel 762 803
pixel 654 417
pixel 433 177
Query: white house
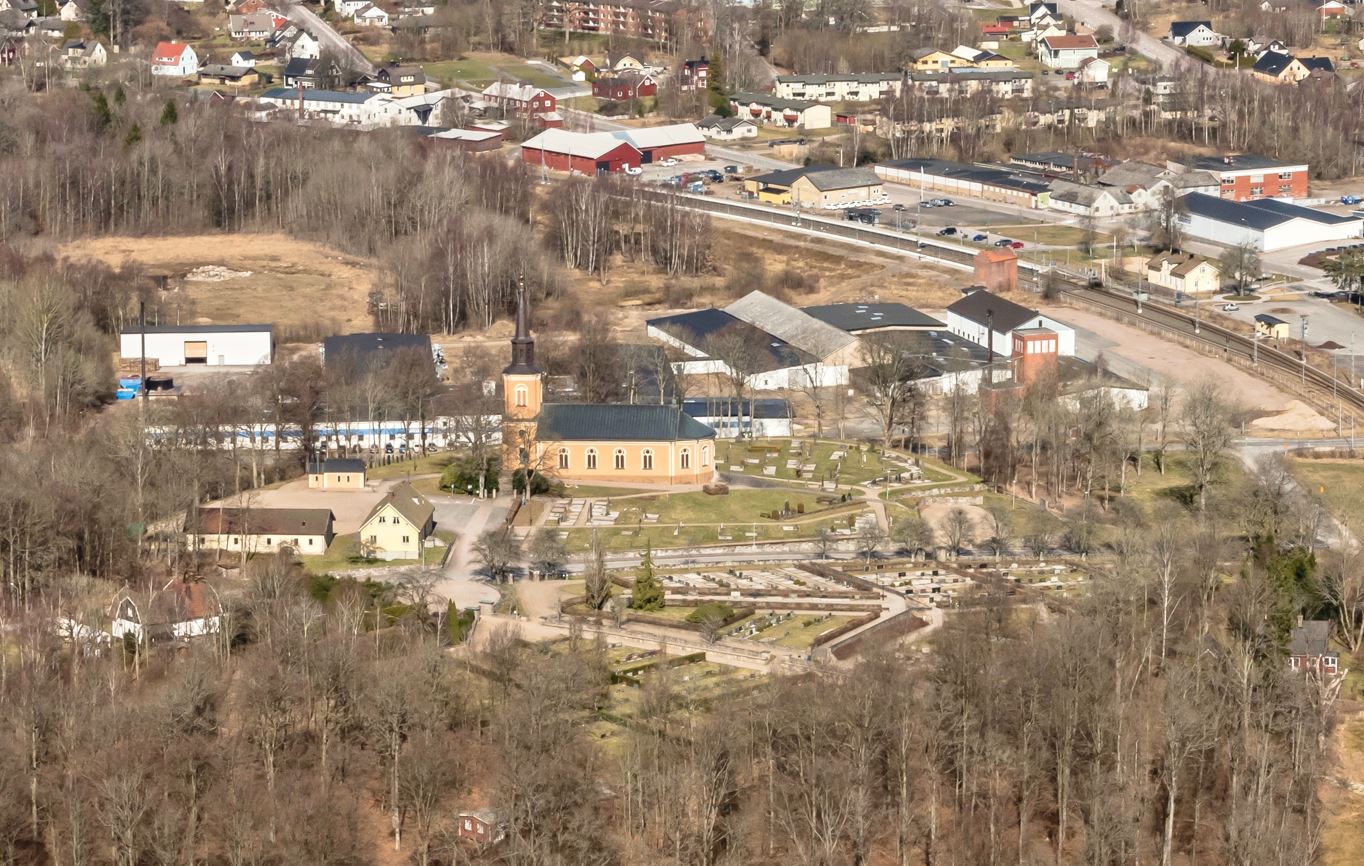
pixel 1093 70
pixel 178 610
pixel 209 345
pixel 1067 52
pixel 987 319
pixel 1197 34
pixel 174 60
pixel 242 59
pixel 348 8
pixel 304 46
pixel 370 15
pixel 365 110
pixel 70 10
pixel 717 128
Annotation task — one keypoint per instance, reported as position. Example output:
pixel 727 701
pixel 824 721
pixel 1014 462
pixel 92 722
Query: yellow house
pixel 398 525
pixel 344 474
pixel 1183 272
pixel 637 444
pixel 989 60
pixel 932 60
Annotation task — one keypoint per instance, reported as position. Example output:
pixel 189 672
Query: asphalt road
pixel 330 39
pixel 1095 14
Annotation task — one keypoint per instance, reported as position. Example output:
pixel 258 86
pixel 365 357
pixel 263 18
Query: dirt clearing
pixel 1165 359
pixel 297 285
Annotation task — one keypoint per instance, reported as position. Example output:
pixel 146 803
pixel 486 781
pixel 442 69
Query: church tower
pixel 523 392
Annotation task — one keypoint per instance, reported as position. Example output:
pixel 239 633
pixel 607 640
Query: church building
pixel 639 444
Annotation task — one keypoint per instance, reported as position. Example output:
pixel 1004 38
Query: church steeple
pixel 523 344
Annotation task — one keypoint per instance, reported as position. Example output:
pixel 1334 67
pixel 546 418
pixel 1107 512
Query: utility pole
pixel 1304 350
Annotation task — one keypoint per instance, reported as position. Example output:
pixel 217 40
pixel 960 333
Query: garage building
pixel 211 345
pixel 1266 224
pixel 589 153
pixel 994 183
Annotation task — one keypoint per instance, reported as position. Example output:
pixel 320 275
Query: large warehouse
pixel 656 143
pixel 213 345
pixel 585 152
pixel 1266 224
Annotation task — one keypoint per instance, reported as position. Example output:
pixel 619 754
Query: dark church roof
pixel 570 422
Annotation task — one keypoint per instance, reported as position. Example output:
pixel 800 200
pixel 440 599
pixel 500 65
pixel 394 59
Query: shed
pixel 1272 327
pixel 997 270
pixel 336 474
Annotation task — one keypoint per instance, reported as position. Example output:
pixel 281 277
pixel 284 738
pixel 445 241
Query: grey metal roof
pixel 1261 214
pixel 340 464
pixel 697 327
pixel 1236 162
pixel 570 422
pixel 408 502
pixel 844 178
pixel 826 79
pixel 868 317
pixel 940 351
pixel 979 305
pixel 264 521
pixel 791 325
pixel 984 174
pixel 1312 638
pixel 1180 29
pixel 771 101
pixel 1267 319
pixel 1085 195
pixel 788 176
pixel 365 349
pixel 200 329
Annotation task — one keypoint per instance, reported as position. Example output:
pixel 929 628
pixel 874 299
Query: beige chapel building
pixel 638 444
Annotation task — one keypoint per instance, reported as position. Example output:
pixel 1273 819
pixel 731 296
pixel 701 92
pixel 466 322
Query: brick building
pixel 1249 176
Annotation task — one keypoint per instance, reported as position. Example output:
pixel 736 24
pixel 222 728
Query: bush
pixel 461 476
pixel 711 611
pixel 539 483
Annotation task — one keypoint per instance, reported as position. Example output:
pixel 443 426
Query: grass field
pixel 660 537
pixel 1338 483
pixel 1175 485
pixel 1025 518
pixel 425 465
pixel 479 69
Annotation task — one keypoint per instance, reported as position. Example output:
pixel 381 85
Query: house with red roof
pixel 174 60
pixel 1067 52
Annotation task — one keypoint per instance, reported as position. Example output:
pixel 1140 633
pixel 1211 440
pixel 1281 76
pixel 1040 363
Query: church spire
pixel 523 344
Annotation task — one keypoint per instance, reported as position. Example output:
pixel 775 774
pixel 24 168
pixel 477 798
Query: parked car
pixel 927 203
pixel 1350 199
pixel 1230 308
pixel 667 162
pixel 731 169
pixel 898 207
pixel 947 232
pixel 1017 245
pixel 945 202
pixel 633 169
pixel 981 238
pixel 1004 242
pixel 1070 76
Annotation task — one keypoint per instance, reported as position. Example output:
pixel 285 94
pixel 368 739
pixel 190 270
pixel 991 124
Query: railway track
pixel 1115 298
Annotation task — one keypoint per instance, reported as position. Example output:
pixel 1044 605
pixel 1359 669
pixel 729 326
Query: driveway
pixel 1095 14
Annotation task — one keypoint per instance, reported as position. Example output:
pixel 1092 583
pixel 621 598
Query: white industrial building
pixel 211 345
pixel 981 314
pixel 1266 224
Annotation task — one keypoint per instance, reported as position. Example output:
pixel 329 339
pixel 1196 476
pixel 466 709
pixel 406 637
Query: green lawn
pixel 344 555
pixel 858 467
pixel 531 74
pixel 1338 483
pixel 1025 518
pixel 430 464
pixel 469 70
